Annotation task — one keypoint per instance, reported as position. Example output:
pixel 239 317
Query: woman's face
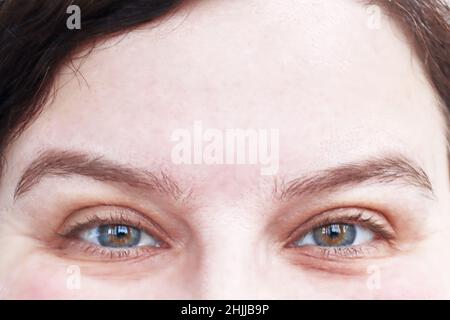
pixel 234 149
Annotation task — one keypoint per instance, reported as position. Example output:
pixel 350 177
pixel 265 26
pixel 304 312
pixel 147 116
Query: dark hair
pixel 35 42
pixel 426 23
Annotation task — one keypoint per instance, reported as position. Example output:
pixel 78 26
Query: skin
pixel 337 91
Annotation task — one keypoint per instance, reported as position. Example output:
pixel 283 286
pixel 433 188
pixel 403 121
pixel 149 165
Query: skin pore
pixel 362 142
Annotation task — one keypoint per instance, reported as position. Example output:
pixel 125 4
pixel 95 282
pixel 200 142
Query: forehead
pixel 335 88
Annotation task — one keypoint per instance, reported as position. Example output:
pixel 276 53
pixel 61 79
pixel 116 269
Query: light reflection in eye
pixel 336 235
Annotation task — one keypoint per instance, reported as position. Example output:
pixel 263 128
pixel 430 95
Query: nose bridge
pixel 227 264
pixel 227 274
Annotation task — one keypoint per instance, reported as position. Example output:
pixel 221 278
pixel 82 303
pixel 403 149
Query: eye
pixel 118 236
pixel 336 235
pixel 330 239
pixel 112 233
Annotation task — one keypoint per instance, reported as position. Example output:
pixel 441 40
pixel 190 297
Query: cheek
pixel 43 284
pixel 410 283
pixel 54 280
pixel 41 277
pixel 407 292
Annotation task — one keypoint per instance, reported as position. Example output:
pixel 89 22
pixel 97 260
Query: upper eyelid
pixel 94 219
pixel 89 219
pixel 98 221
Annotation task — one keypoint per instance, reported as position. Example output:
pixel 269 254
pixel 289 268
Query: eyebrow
pixel 64 163
pixel 394 169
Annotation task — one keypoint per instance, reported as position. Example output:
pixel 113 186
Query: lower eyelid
pixel 372 250
pixel 351 252
pixel 84 251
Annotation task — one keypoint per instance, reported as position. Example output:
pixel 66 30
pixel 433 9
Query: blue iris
pixel 335 235
pixel 118 236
